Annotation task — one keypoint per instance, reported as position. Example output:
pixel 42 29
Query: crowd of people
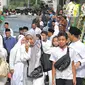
pixel 23 52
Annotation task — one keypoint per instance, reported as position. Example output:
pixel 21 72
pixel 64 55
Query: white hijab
pixel 3 52
pixel 1 41
pixel 13 52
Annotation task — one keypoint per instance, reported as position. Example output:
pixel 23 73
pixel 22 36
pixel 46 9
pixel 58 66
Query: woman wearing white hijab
pixel 3 55
pixel 16 65
pixel 13 52
pixel 34 61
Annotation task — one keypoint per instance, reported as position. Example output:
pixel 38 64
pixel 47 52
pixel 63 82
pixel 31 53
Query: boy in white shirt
pixel 67 76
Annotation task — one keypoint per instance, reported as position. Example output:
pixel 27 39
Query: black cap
pixel 74 30
pixel 6 30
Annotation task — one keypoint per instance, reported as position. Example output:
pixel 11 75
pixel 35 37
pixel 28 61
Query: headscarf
pixel 3 52
pixel 18 44
pixel 14 50
pixel 34 50
pixel 1 41
pixel 32 34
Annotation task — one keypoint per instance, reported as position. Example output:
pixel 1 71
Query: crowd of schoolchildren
pixel 24 52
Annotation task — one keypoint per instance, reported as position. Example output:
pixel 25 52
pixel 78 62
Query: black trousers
pixel 64 82
pixel 79 81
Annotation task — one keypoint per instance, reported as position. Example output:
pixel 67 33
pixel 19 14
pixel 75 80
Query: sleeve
pixel 12 58
pixel 74 55
pixel 25 55
pixel 82 61
pixel 82 55
pixel 53 58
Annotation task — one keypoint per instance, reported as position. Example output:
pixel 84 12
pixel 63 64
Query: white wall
pixel 1 5
pixel 5 2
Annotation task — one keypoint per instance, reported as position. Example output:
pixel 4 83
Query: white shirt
pixel 46 45
pixel 36 30
pixel 79 47
pixel 56 30
pixel 57 54
pixel 41 23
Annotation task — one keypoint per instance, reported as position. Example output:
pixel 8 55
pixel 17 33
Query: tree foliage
pixel 21 3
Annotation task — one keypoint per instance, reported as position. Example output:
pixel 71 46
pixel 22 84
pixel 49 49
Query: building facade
pixel 2 4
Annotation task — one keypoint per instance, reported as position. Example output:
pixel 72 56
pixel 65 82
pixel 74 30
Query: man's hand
pixel 77 64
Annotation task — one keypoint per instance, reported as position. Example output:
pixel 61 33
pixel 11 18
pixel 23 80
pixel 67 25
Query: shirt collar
pixel 8 37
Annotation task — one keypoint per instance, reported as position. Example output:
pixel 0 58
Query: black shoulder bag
pixel 63 62
pixel 45 62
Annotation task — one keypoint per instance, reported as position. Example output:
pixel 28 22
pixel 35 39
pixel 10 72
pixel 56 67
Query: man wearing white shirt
pixel 6 26
pixel 68 75
pixel 35 29
pixel 79 47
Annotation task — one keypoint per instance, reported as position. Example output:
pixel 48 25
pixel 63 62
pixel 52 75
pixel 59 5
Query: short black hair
pixel 7 30
pixel 74 31
pixel 61 33
pixel 6 23
pixel 53 21
pixel 51 30
pixel 20 28
pixel 25 28
pixel 44 32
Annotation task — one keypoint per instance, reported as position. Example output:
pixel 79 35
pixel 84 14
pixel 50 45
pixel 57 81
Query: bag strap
pixel 41 47
pixel 68 50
